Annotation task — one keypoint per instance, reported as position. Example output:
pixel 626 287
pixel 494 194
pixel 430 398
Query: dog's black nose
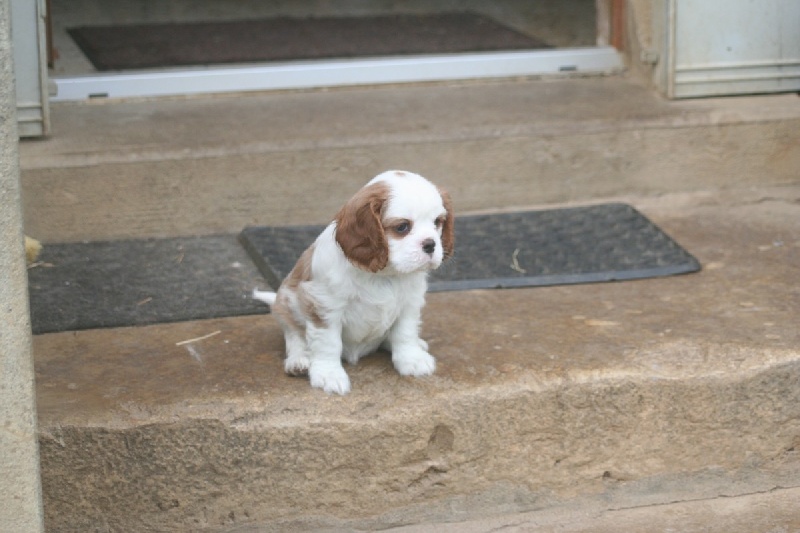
pixel 428 246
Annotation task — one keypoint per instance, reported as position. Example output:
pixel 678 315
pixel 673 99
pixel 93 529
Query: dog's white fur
pixel 362 284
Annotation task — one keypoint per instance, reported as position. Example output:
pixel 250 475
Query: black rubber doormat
pixel 282 39
pixel 609 242
pixel 137 282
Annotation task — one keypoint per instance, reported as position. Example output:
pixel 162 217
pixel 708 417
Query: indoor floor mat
pixel 596 243
pixel 137 46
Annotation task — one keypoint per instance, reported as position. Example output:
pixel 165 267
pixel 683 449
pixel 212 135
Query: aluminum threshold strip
pixel 336 73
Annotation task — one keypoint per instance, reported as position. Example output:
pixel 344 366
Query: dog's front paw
pixel 329 377
pixel 414 362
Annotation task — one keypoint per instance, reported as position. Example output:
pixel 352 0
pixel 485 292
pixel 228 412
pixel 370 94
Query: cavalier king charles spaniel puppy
pixel 361 285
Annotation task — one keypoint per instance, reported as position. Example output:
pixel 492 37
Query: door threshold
pixel 336 73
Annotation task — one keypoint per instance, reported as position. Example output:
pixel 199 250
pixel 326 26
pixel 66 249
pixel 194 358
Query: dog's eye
pixel 403 228
pixel 438 222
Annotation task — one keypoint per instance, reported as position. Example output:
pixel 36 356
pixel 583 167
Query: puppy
pixel 361 285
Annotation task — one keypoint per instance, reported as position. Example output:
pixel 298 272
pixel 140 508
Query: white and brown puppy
pixel 362 284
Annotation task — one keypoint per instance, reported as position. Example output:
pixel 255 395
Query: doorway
pixel 568 27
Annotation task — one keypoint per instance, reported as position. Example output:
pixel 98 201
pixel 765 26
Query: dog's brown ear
pixel 359 228
pixel 448 228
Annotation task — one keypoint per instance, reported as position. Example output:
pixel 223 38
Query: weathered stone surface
pixel 773 511
pixel 20 491
pixel 214 165
pixel 629 393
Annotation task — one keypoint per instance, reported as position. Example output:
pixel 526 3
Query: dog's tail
pixel 265 296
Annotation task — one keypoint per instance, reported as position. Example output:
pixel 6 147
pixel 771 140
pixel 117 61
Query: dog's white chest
pixel 370 315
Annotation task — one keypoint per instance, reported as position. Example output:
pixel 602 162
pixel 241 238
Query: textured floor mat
pixel 125 283
pixel 281 39
pixel 534 248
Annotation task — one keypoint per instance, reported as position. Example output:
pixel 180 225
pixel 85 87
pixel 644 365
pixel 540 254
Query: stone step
pixel 605 396
pixel 193 166
pixel 774 511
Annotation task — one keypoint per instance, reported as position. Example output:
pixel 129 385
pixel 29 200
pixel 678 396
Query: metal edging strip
pixel 333 73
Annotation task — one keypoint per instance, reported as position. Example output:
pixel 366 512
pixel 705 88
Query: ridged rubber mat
pixel 136 282
pixel 607 242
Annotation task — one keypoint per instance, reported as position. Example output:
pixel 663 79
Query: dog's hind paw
pixel 296 366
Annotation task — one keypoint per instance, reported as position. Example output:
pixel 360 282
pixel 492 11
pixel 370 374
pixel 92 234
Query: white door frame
pixel 333 73
pixel 600 59
pixel 30 66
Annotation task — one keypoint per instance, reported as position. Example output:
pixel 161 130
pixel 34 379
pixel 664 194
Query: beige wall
pixel 20 492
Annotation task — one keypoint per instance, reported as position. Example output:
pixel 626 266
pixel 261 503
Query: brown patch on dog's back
pixel 283 312
pixel 302 269
pixel 309 307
